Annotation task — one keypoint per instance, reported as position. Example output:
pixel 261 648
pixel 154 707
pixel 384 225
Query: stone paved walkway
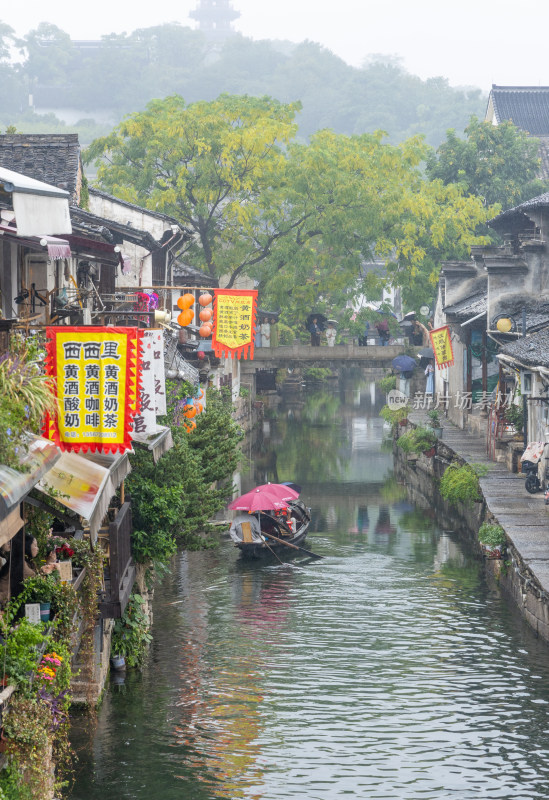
pixel 524 517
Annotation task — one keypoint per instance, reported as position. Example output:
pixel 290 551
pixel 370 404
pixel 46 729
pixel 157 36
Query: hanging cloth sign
pixel 145 420
pixel 234 328
pixel 159 373
pixel 441 343
pixel 97 375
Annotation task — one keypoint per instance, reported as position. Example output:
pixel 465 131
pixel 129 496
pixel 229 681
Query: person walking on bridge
pixel 315 331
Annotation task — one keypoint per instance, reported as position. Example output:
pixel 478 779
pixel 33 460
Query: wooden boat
pixel 253 533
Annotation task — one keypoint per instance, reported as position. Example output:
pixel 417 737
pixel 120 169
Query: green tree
pixel 210 165
pixel 301 219
pixel 498 163
pixel 48 52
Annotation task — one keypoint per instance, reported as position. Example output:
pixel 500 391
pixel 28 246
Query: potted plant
pixel 21 653
pixel 492 540
pixel 514 416
pixel 42 589
pixel 395 416
pixel 434 419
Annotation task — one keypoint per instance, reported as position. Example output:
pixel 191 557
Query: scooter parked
pixel 530 466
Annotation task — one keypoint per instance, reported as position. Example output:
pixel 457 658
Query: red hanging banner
pixel 442 346
pixel 97 375
pixel 234 328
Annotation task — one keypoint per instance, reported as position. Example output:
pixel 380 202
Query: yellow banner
pixel 97 372
pixel 441 342
pixel 234 328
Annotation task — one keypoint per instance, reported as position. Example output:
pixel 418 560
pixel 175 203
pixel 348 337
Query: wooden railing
pixel 122 569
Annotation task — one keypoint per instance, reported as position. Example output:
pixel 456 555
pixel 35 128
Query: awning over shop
pixel 158 443
pixel 118 464
pixel 38 206
pixel 57 248
pixel 85 486
pixel 14 485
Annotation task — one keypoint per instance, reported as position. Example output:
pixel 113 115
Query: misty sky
pixel 473 42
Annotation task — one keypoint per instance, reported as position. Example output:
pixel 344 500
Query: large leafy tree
pixel 498 163
pixel 210 165
pixel 301 219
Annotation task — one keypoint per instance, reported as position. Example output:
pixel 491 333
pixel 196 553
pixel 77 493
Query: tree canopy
pixel 498 163
pixel 299 219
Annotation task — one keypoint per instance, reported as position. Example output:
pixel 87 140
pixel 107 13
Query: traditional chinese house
pixel 491 302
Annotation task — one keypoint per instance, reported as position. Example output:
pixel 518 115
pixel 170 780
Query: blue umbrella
pixel 404 363
pixel 386 313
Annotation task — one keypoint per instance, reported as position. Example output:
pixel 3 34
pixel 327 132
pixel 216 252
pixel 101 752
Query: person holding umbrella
pixel 430 375
pixel 315 331
pixel 383 331
pixel 331 333
pixel 405 365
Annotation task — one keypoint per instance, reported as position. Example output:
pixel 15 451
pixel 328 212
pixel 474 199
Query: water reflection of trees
pixel 321 408
pixel 310 452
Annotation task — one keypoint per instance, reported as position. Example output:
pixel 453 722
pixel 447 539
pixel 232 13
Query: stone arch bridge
pixel 296 355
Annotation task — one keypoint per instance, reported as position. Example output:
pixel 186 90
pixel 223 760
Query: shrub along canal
pixel 387 670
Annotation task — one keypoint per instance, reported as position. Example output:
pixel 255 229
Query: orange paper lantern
pixel 205 299
pixel 185 301
pixel 206 314
pixel 205 331
pixel 190 413
pixel 190 426
pixel 186 317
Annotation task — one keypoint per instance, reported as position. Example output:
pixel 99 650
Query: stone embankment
pixel 524 572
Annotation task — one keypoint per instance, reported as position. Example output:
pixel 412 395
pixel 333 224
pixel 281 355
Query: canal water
pixel 388 669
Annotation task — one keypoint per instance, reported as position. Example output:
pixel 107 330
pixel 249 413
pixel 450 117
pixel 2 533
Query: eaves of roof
pixel 92 224
pixel 473 305
pixel 531 350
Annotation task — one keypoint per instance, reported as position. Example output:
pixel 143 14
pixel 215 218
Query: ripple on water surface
pixel 386 671
pixel 369 675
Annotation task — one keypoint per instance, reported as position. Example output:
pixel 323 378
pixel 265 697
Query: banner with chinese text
pixel 442 346
pixel 97 373
pixel 234 328
pixel 153 383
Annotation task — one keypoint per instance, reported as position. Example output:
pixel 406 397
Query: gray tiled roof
pixel 186 272
pixel 531 350
pixel 52 158
pixel 91 224
pixel 470 306
pixel 541 201
pixel 527 107
pixel 537 314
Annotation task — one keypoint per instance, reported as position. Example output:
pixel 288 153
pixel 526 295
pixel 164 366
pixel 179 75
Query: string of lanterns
pixel 193 406
pixel 185 303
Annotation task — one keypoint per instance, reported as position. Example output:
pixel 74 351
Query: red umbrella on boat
pixel 264 498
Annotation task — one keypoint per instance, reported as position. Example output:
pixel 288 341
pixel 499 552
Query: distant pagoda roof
pixel 215 16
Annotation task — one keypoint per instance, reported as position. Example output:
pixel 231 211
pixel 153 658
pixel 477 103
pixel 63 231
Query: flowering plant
pixel 49 664
pixel 63 551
